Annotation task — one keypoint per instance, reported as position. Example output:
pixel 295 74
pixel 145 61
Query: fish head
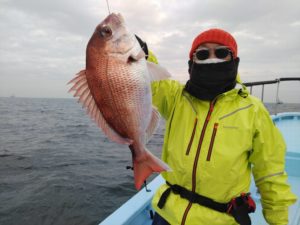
pixel 111 37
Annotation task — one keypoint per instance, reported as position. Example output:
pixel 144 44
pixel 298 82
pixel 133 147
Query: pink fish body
pixel 115 90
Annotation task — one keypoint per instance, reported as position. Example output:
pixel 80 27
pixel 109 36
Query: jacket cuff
pixel 274 217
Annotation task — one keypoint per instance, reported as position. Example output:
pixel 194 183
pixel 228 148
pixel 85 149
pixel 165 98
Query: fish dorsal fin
pixel 82 90
pixel 153 124
pixel 157 72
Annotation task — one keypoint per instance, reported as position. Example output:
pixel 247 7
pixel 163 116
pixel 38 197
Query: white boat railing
pixel 263 83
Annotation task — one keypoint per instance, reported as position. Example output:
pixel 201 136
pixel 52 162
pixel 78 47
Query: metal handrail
pixel 263 83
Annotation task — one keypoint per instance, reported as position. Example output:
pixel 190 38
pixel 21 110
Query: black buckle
pixel 240 208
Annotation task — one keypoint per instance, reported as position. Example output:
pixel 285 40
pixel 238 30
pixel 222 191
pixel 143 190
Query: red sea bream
pixel 115 90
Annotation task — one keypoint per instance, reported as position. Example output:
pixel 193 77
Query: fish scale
pixel 133 96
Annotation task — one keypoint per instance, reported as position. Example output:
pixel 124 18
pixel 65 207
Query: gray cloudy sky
pixel 43 42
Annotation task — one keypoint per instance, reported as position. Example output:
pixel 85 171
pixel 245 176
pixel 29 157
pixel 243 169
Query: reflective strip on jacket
pixel 214 158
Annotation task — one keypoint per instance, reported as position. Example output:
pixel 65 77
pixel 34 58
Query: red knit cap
pixel 215 36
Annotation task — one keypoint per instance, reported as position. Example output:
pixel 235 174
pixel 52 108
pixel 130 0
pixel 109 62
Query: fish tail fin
pixel 145 167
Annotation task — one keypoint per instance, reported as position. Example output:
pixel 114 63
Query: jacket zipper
pixel 211 108
pixel 212 141
pixel 192 137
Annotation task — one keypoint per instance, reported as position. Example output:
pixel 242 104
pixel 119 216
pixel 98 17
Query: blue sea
pixel 57 167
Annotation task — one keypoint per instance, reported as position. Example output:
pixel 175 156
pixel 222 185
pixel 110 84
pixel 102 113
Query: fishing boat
pixel 138 209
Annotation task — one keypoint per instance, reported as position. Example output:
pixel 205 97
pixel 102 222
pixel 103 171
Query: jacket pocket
pixel 192 137
pixel 212 140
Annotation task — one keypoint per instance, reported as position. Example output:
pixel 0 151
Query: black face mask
pixel 209 80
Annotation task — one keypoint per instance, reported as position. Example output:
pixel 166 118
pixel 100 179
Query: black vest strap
pixel 237 207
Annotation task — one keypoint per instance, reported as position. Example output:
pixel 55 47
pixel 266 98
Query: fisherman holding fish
pixel 216 135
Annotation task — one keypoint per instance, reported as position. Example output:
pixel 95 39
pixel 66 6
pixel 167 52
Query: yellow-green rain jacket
pixel 210 148
pixel 152 57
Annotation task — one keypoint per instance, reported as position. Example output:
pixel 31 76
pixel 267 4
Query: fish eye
pixel 105 31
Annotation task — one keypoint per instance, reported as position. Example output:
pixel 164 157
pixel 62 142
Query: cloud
pixel 43 42
pixel 295 24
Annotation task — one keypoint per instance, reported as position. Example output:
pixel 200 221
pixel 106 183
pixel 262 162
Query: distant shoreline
pixel 71 98
pixel 272 107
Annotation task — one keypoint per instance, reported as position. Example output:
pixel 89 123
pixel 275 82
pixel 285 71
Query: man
pixel 215 135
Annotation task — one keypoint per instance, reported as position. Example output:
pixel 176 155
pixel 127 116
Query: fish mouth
pixel 114 18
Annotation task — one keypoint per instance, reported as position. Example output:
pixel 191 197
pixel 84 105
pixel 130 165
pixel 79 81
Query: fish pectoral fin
pixel 144 168
pixel 85 97
pixel 157 72
pixel 155 116
pixel 135 57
